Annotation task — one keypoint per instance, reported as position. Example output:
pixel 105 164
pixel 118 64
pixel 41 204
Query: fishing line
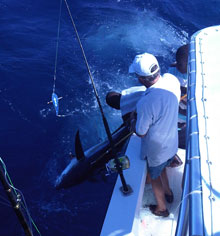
pixel 90 74
pixel 19 197
pixel 57 46
pixel 126 189
pixel 54 98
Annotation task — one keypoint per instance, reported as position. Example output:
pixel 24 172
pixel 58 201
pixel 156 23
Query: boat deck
pixel 199 213
pixel 126 215
pixel 150 224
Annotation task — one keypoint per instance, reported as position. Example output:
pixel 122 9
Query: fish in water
pixel 84 164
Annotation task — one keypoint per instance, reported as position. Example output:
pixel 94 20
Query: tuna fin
pixel 78 148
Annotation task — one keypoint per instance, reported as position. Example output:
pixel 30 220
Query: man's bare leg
pixel 148 179
pixel 159 193
pixel 165 182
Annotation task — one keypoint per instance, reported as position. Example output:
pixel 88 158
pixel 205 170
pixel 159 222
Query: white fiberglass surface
pixel 150 224
pixel 208 108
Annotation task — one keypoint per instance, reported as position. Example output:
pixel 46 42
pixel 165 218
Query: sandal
pixel 176 162
pixel 164 213
pixel 169 197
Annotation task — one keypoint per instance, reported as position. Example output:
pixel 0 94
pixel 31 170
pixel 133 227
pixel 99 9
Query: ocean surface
pixel 34 142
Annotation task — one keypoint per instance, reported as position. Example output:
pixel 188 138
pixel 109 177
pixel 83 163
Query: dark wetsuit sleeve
pixel 113 100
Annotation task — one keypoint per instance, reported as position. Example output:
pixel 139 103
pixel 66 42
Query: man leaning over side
pixel 155 121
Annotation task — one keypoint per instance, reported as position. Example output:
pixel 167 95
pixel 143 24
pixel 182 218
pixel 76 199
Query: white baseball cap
pixel 143 64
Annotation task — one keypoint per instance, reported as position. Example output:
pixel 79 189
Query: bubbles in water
pixel 137 31
pixel 44 112
pixel 117 40
pixel 120 34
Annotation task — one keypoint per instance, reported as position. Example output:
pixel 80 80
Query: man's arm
pixel 133 122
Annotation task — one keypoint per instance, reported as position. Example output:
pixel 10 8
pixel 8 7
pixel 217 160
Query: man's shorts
pixel 156 171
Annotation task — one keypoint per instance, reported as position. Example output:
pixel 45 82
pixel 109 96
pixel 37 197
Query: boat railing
pixel 191 211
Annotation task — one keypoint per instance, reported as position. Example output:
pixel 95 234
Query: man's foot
pixel 153 209
pixel 176 162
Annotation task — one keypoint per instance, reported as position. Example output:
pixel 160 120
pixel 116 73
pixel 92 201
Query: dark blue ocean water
pixel 34 143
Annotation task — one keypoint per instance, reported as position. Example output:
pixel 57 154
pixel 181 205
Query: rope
pixel 183 97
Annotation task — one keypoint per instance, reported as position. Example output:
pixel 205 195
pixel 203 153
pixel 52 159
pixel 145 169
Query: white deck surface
pixel 208 107
pixel 157 226
pixel 123 211
pixel 126 215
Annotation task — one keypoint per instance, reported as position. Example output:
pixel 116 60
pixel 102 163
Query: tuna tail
pixel 78 148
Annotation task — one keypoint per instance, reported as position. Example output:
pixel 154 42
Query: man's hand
pixel 133 115
pixel 133 125
pixel 133 120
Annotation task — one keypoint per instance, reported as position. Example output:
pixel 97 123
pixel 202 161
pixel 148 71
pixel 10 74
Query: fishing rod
pixel 15 202
pixel 126 189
